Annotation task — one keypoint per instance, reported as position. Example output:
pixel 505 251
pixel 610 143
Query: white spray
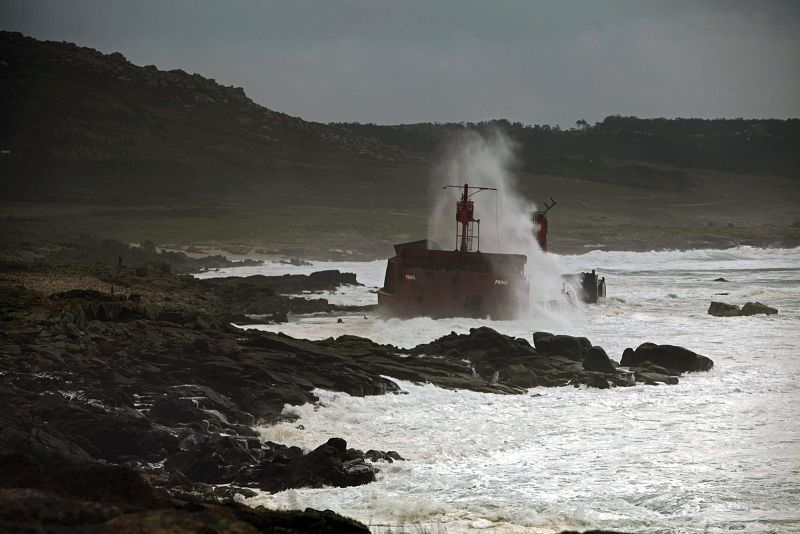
pixel 484 159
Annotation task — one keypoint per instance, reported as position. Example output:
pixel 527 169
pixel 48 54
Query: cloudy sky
pixel 397 61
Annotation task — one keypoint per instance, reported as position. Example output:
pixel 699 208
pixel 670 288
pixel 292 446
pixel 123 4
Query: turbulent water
pixel 720 451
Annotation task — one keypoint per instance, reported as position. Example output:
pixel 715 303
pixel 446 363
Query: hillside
pixel 646 153
pixel 93 144
pixel 80 124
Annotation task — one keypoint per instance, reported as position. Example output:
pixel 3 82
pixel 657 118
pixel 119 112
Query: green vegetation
pixel 647 153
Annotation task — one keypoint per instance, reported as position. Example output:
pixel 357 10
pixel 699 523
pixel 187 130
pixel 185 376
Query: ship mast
pixel 465 221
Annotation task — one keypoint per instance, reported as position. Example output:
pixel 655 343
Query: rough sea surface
pixel 718 452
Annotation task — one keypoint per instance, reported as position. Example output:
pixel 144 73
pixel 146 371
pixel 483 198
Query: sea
pixel 718 452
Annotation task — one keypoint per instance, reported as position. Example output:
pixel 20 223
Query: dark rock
pixel 627 356
pixel 756 308
pixel 105 498
pixel 720 280
pixel 236 518
pixel 537 335
pixel 596 380
pixel 559 345
pixel 324 466
pixel 230 492
pixel 650 367
pixel 721 309
pixel 333 278
pixel 201 466
pixel 597 360
pixel 669 356
pixel 91 482
pixel 518 375
pixel 653 378
pixel 172 411
pixel 381 456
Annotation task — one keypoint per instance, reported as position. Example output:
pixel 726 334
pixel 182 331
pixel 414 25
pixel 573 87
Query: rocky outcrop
pixel 97 497
pixel 596 359
pixel 499 363
pixel 721 309
pixel 674 359
pixel 181 131
pixel 154 292
pixel 91 376
pixel 327 465
pixel 756 308
pixel 87 376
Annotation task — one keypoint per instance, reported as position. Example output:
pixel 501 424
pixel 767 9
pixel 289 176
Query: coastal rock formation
pixel 92 376
pixel 721 309
pixel 141 378
pixel 756 308
pixel 502 364
pixel 674 359
pixel 327 465
pixel 97 497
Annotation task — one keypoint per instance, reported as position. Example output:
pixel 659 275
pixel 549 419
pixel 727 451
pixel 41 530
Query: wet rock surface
pixel 487 361
pixel 675 360
pixel 152 290
pixel 756 308
pixel 158 387
pixel 97 497
pixel 721 309
pixel 91 376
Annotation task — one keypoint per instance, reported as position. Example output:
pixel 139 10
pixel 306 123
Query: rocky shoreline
pixel 154 380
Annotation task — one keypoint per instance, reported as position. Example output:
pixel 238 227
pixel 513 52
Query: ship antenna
pixel 465 219
pixel 497 222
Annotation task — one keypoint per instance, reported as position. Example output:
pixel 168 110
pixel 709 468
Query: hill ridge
pixel 75 114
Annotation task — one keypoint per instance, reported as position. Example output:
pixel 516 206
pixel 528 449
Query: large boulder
pixel 98 497
pixel 518 375
pixel 595 380
pixel 559 345
pixel 756 308
pixel 670 357
pixel 721 309
pixel 327 465
pixel 597 360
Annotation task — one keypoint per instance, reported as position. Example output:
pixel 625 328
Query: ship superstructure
pixel 422 280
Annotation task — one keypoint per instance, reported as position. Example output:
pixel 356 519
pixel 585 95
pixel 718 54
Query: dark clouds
pixel 394 61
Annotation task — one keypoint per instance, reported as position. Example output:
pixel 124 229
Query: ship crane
pixel 540 224
pixel 468 228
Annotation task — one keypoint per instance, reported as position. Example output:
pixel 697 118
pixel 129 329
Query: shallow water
pixel 720 451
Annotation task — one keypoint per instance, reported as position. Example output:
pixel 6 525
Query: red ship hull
pixel 442 283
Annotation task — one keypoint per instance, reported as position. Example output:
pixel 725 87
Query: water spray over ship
pixel 425 279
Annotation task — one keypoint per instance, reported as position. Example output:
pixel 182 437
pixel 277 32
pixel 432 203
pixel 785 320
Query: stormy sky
pixel 398 61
